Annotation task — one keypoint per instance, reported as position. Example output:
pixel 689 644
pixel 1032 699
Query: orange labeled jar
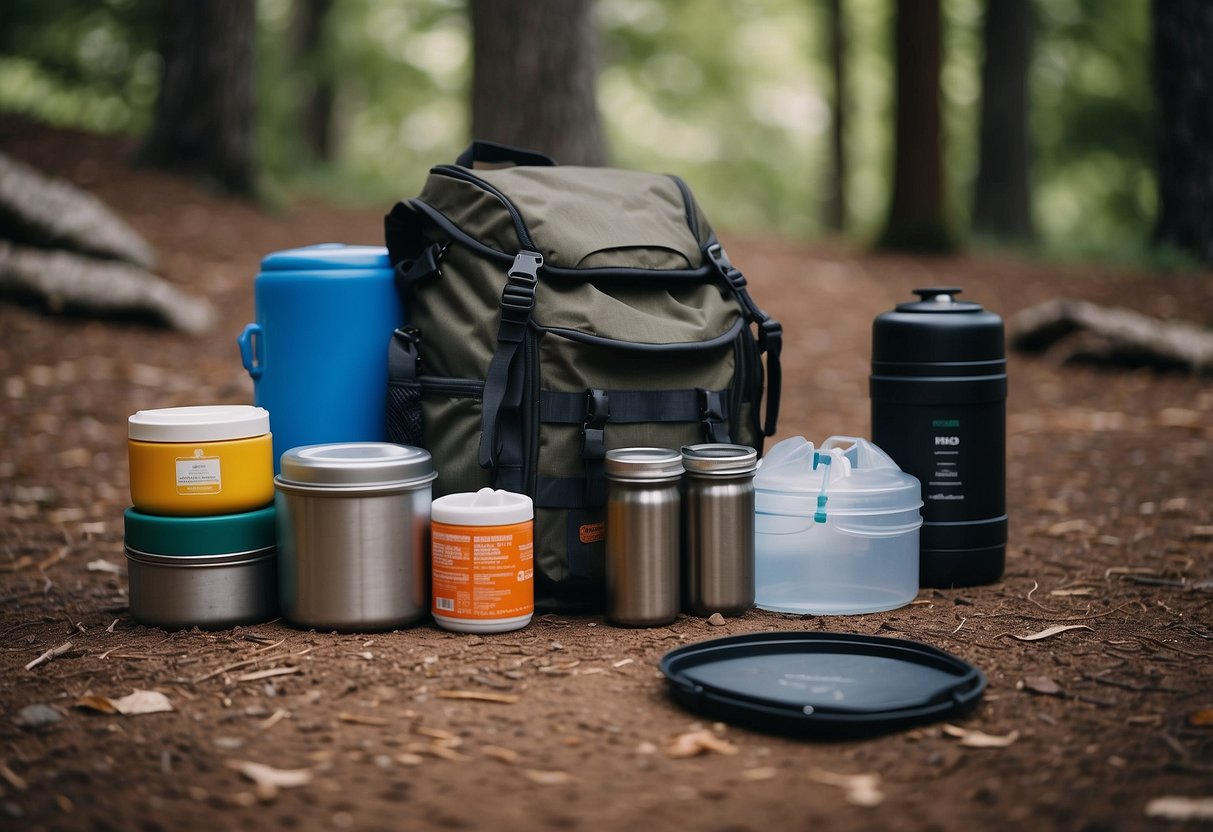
pixel 198 461
pixel 482 553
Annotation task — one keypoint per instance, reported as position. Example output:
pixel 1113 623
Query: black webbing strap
pixel 501 383
pixel 402 355
pixel 714 416
pixel 770 333
pixel 593 444
pixel 631 406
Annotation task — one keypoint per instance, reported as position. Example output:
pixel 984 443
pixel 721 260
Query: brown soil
pixel 1110 475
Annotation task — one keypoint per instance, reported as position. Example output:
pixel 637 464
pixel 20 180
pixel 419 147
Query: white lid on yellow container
pixel 486 507
pixel 203 423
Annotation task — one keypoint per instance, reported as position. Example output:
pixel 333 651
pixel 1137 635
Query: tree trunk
pixel 534 76
pixel 203 120
pixel 1001 202
pixel 316 90
pixel 917 217
pixel 836 198
pixel 1183 124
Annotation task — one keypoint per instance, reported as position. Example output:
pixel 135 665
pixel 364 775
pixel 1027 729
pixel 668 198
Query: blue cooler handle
pixel 250 350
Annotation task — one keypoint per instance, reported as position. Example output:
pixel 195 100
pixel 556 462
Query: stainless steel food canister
pixel 718 532
pixel 642 536
pixel 213 572
pixel 353 535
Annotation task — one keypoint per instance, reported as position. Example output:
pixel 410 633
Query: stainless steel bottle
pixel 642 536
pixel 939 393
pixel 718 532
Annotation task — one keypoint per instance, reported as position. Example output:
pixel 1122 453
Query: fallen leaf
pixel 1180 808
pixel 1040 684
pixel 547 778
pixel 980 739
pixel 1202 718
pixel 1052 631
pixel 479 696
pixel 862 789
pixel 135 703
pixel 694 743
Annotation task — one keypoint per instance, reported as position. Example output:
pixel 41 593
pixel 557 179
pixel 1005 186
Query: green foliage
pixel 80 64
pixel 730 94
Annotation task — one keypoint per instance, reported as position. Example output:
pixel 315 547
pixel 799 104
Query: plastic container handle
pixel 250 350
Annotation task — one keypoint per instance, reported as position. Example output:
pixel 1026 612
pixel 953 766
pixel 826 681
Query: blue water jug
pixel 318 351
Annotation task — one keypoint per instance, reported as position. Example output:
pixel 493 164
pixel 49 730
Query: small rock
pixel 37 716
pixel 716 620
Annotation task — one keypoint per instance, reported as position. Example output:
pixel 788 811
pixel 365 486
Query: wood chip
pixel 273 719
pixel 505 755
pixel 980 739
pixel 480 696
pixel 1070 526
pixel 362 719
pixel 269 779
pixel 12 778
pixel 759 774
pixel 694 743
pixel 1180 808
pixel 104 566
pixel 862 789
pixel 50 654
pixel 267 674
pixel 1201 533
pixel 1040 684
pixel 1052 631
pixel 408 758
pixel 622 662
pixel 547 778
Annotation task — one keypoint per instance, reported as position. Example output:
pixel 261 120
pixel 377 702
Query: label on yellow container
pixel 198 474
pixel 482 572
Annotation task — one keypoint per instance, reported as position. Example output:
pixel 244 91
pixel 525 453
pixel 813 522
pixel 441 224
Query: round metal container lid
pixel 204 423
pixel 356 463
pixel 644 464
pixel 220 534
pixel 821 684
pixel 719 459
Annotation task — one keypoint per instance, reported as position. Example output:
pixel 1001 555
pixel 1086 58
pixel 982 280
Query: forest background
pixel 740 97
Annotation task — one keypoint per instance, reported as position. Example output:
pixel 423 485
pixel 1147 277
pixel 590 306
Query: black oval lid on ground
pixel 821 684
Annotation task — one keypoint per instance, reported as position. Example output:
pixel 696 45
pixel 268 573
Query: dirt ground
pixel 1110 492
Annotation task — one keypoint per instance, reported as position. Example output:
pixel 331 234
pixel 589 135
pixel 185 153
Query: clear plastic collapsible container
pixel 836 529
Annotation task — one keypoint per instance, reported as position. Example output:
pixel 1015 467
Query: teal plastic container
pixel 212 572
pixel 317 352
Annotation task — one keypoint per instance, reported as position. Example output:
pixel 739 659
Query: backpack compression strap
pixel 517 302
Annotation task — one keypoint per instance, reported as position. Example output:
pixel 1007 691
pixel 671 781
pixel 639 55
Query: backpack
pixel 554 313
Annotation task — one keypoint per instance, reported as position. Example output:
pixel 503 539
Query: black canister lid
pixel 821 684
pixel 938 328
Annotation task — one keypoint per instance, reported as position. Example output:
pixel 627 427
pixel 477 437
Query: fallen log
pixel 68 282
pixel 1077 329
pixel 51 213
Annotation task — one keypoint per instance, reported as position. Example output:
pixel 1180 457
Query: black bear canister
pixel 939 391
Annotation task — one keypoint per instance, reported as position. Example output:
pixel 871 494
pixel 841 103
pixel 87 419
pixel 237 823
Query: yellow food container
pixel 193 461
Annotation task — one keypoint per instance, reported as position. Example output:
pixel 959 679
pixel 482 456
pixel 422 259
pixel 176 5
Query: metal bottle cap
pixel 648 464
pixel 719 459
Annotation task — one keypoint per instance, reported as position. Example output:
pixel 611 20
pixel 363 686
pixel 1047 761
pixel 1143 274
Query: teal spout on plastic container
pixel 317 353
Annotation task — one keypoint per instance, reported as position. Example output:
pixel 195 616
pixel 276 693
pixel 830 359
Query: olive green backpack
pixel 555 313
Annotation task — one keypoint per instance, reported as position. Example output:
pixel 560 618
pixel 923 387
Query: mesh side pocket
pixel 404 413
